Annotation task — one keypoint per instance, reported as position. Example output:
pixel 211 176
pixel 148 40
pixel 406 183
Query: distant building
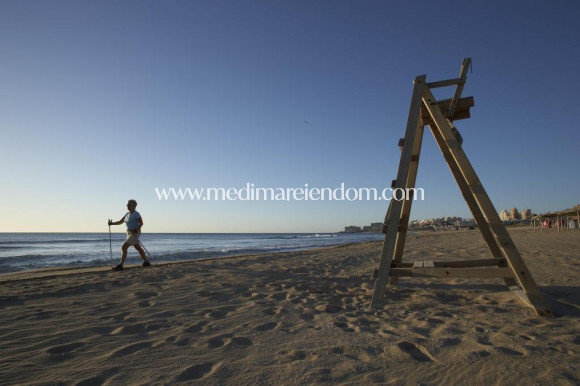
pixel 504 215
pixel 376 227
pixel 514 214
pixel 526 214
pixel 352 229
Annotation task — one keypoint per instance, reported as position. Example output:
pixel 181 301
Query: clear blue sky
pixel 102 101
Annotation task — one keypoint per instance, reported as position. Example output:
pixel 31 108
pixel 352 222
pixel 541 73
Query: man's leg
pixel 141 251
pixel 124 248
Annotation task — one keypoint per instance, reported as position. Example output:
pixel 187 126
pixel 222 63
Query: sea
pixel 27 251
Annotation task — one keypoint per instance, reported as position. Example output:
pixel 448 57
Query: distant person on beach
pixel 134 222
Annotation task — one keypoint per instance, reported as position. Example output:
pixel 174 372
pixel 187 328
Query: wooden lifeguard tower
pixel 506 261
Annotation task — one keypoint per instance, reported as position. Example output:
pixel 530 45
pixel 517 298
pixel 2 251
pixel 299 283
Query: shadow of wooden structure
pixel 506 261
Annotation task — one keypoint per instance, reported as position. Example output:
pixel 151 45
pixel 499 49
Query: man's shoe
pixel 146 263
pixel 118 268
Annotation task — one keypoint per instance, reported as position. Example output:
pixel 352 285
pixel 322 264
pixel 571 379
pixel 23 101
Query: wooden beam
pixel 459 89
pixel 445 83
pixel 409 184
pixel 396 207
pixel 458 116
pixel 462 110
pixel 482 273
pixel 458 264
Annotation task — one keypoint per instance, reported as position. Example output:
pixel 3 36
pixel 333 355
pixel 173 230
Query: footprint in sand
pixel 240 342
pixel 145 303
pixel 130 349
pixel 508 351
pixel 271 311
pixel 228 340
pixel 183 341
pixel 198 371
pixel 131 329
pixel 100 378
pixel 443 314
pixel 155 327
pixel 219 341
pixel 447 342
pixel 220 313
pixel 164 314
pixel 193 329
pixel 416 352
pixel 307 315
pixel 434 322
pixel 476 355
pixel 146 295
pixel 101 330
pixel 330 308
pixel 65 348
pixel 297 355
pixel 344 326
pixel 484 340
pixel 267 326
pixel 278 296
pixel 337 350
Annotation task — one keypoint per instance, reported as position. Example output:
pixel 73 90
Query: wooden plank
pixel 459 115
pixel 445 83
pixel 459 89
pixel 397 206
pixel 461 111
pixel 406 211
pixel 473 263
pixel 523 276
pixel 468 273
pixel 459 264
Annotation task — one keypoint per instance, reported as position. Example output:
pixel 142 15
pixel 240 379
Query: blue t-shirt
pixel 131 220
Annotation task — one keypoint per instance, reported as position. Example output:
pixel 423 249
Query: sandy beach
pixel 296 318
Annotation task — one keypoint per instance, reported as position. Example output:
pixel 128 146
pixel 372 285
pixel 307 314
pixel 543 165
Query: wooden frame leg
pixel 406 211
pixel 523 276
pixel 394 218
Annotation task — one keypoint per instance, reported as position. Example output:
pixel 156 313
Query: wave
pixel 57 241
pixel 309 236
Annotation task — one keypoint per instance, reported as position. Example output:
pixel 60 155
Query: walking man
pixel 134 222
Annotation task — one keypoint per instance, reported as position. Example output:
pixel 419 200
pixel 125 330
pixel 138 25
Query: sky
pixel 102 101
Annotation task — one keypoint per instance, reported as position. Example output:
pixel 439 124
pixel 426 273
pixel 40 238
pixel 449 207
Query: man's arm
pixel 140 221
pixel 117 222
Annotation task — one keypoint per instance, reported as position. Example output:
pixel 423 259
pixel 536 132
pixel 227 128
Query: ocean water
pixel 26 251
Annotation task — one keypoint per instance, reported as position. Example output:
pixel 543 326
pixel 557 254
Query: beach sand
pixel 296 318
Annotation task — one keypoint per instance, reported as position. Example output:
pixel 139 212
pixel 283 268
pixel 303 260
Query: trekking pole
pixel 143 246
pixel 110 245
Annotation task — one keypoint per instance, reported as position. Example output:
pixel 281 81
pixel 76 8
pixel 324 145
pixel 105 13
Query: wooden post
pixel 396 206
pixel 406 211
pixel 459 89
